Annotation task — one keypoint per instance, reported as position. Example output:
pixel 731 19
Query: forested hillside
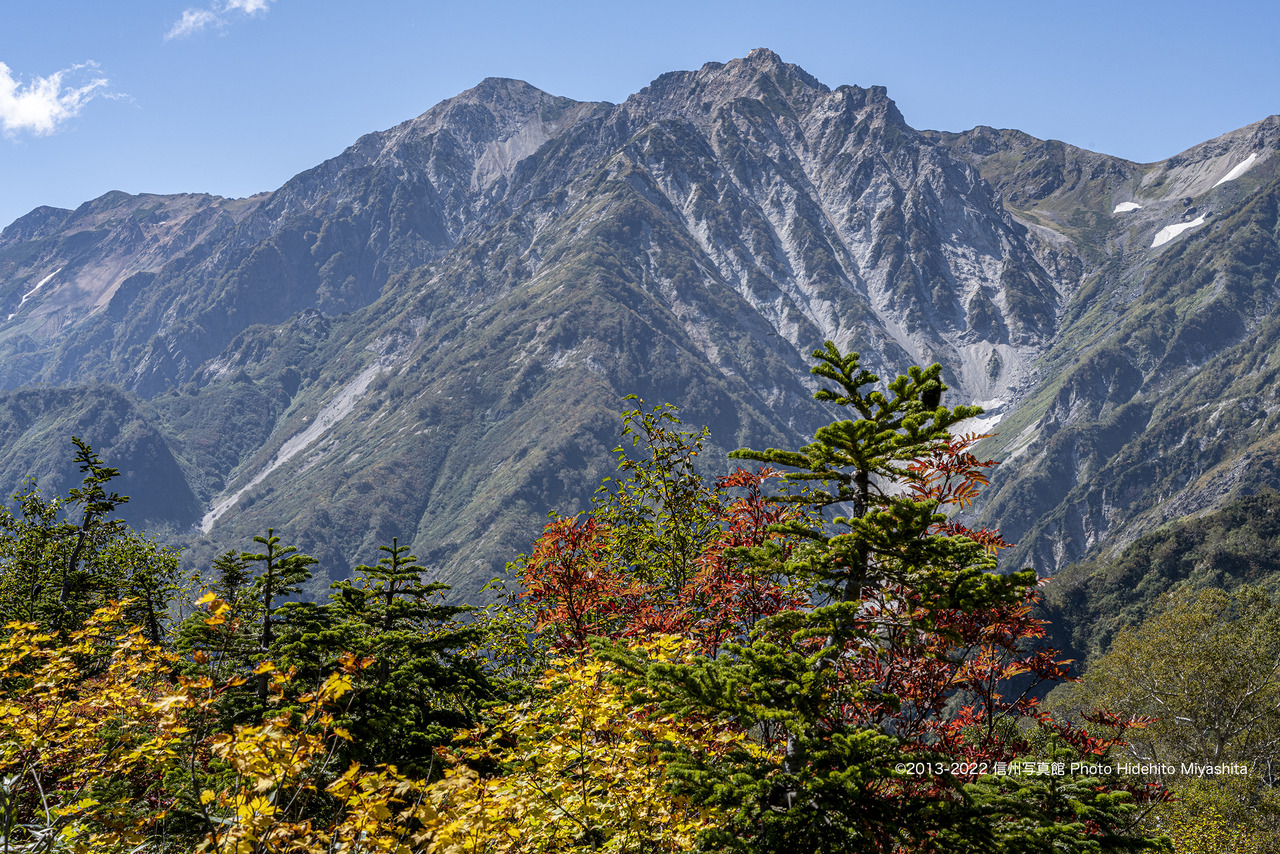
pixel 1235 546
pixel 809 655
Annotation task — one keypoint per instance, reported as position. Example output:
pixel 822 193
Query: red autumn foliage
pixel 954 685
pixel 576 592
pixel 955 688
pixel 579 588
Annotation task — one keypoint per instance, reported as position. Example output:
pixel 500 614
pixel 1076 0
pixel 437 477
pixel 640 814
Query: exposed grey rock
pixel 465 298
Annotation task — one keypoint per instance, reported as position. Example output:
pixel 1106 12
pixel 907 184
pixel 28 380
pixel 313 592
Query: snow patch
pixel 1125 207
pixel 333 412
pixel 1169 232
pixel 1239 169
pixel 29 294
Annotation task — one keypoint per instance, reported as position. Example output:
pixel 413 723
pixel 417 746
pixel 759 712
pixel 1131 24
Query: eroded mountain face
pixel 430 335
pixel 1157 397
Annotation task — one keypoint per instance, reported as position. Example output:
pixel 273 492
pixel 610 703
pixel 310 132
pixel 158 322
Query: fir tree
pixel 826 774
pixel 94 502
pixel 55 568
pixel 422 685
pixel 283 572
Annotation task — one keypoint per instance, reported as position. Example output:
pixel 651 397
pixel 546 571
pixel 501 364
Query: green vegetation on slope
pixel 1091 601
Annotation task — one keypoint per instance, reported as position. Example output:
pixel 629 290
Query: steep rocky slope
pixel 1155 400
pixel 429 336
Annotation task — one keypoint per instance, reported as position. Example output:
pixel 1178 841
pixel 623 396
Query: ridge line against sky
pixel 234 97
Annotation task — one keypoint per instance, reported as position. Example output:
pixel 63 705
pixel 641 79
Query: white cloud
pixel 46 102
pixel 192 21
pixel 251 7
pixel 217 15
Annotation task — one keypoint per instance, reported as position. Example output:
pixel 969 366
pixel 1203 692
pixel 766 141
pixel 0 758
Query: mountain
pixel 1237 544
pixel 1156 399
pixel 430 335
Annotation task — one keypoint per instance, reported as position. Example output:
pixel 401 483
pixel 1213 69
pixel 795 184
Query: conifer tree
pixel 422 685
pixel 854 469
pixel 55 568
pixel 881 564
pixel 283 572
pixel 230 576
pixel 95 503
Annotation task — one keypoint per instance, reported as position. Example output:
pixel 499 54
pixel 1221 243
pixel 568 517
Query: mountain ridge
pixel 431 331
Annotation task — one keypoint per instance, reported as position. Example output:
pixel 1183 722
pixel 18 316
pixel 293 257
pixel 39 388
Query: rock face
pixel 429 336
pixel 1156 398
pixel 823 210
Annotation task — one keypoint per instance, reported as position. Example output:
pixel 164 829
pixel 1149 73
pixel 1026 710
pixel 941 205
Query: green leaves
pixel 1206 666
pixel 57 570
pixel 663 514
pixel 890 429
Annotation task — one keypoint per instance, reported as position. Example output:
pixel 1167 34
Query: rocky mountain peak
pixel 700 95
pixel 40 222
pixel 496 111
pixel 690 244
pixel 872 106
pixel 764 62
pixel 1203 167
pixel 503 93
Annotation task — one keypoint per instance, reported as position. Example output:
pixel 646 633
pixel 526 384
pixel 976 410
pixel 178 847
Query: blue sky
pixel 236 96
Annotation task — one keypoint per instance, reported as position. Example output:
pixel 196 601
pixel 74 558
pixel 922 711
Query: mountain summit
pixel 429 336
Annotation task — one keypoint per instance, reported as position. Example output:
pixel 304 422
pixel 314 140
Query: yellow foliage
pixel 1205 831
pixel 582 770
pixel 75 719
pixel 281 766
pixel 100 733
pixel 104 713
pixel 1217 816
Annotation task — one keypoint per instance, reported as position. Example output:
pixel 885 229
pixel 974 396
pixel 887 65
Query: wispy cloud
pixel 217 15
pixel 192 21
pixel 45 103
pixel 252 7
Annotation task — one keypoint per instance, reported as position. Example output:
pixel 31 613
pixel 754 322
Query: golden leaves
pixel 583 766
pixel 585 771
pixel 104 714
